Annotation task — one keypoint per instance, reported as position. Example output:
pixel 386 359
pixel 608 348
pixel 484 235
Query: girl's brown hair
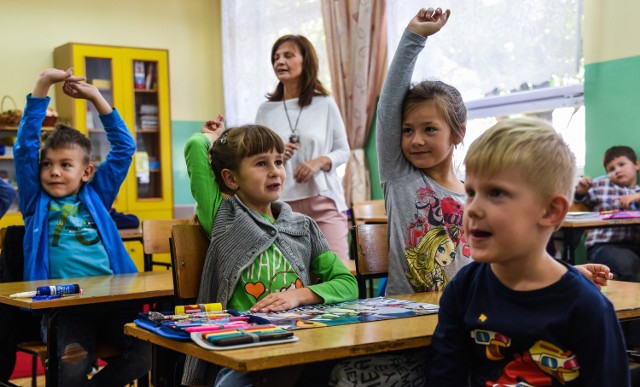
pixel 310 85
pixel 447 100
pixel 234 144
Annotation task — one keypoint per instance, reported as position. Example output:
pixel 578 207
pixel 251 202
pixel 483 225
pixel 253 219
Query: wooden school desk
pixel 343 341
pixel 131 234
pixel 98 289
pixel 573 229
pixel 315 345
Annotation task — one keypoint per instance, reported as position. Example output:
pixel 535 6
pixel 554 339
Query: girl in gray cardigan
pixel 262 254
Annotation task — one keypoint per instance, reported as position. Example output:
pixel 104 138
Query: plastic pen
pixel 213 327
pixel 251 339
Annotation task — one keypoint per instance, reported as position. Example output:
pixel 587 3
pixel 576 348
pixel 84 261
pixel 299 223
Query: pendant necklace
pixel 294 138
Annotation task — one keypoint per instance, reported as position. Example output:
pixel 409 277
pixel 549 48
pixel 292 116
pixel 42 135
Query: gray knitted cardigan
pixel 238 236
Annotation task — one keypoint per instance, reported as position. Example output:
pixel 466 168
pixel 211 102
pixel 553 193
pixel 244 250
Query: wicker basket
pixel 10 117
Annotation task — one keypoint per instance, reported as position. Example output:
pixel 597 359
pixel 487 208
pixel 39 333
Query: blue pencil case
pixel 169 329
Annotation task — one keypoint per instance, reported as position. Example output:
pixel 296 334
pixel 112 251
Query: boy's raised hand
pixel 82 90
pixel 51 76
pixel 429 21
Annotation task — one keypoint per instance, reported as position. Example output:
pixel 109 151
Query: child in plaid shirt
pixel 616 247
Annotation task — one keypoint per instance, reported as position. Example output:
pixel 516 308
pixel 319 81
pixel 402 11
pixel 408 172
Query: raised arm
pixel 204 188
pixel 27 145
pixel 391 161
pixel 115 167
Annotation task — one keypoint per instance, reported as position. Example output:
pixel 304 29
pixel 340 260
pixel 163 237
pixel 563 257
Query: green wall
pixel 181 131
pixel 612 108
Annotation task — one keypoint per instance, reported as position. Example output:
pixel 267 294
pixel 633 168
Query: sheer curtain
pixel 356 32
pixel 249 29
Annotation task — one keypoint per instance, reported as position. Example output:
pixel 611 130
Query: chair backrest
pixel 12 254
pixel 189 245
pixel 155 239
pixel 368 211
pixel 370 246
pixel 579 207
pixel 156 234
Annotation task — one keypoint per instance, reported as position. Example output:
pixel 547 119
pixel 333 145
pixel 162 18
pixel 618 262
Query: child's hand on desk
pixel 277 302
pixel 597 273
pixel 626 201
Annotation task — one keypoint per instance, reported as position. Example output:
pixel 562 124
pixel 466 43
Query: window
pixel 249 29
pixel 506 58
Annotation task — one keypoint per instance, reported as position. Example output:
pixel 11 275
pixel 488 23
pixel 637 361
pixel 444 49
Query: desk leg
pixel 571 238
pixel 52 349
pixel 167 367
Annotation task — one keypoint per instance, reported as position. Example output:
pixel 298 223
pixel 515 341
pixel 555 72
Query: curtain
pixel 357 47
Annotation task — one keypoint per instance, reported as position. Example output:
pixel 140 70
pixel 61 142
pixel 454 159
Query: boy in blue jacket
pixel 69 232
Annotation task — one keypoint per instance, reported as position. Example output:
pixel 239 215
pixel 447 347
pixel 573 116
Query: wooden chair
pixel 155 240
pixel 189 245
pixel 579 207
pixel 370 245
pixel 368 211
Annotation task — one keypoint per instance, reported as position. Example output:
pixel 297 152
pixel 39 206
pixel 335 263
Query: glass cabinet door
pixel 99 73
pixel 147 129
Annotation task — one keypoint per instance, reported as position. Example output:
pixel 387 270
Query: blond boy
pixel 517 316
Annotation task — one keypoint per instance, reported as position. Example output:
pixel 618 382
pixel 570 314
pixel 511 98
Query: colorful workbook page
pixel 349 312
pixel 621 215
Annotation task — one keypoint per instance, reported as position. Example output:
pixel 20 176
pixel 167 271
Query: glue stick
pixel 197 308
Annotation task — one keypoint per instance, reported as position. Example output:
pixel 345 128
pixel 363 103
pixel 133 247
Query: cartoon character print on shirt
pixel 269 275
pixel 538 366
pixel 433 239
pixel 84 230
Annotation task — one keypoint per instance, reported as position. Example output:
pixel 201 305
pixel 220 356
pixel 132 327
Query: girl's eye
pixel 407 130
pixel 471 193
pixel 261 164
pixel 429 129
pixel 279 162
pixel 46 164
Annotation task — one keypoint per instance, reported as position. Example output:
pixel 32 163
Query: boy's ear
pixel 555 211
pixel 88 172
pixel 229 179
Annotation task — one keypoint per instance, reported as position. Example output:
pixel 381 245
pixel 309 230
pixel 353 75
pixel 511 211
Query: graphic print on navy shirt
pixel 539 365
pixel 434 239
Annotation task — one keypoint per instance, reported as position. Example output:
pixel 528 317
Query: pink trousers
pixel 333 223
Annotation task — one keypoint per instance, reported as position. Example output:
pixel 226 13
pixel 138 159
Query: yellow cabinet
pixel 136 82
pixel 8 171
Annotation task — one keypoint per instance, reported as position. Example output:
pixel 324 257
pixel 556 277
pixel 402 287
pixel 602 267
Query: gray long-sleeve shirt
pixel 427 245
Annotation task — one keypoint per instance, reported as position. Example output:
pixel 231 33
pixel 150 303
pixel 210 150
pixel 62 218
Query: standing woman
pixel 307 119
